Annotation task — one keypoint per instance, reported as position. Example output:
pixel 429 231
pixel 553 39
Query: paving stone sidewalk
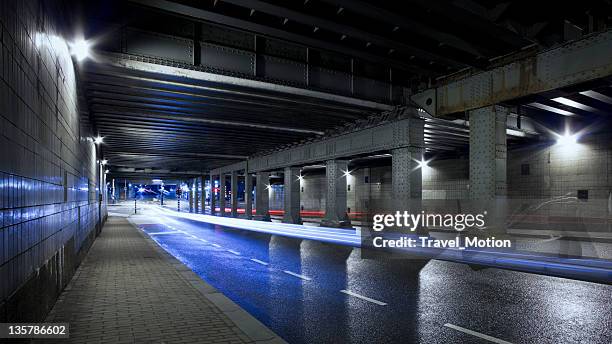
pixel 128 290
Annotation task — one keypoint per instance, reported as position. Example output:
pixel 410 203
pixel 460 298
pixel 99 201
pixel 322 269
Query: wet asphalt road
pixel 294 287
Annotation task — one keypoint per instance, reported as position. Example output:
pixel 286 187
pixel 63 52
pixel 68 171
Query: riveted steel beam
pixel 575 62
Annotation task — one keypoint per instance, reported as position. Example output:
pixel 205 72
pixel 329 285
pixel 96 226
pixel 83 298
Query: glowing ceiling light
pixel 141 190
pixel 98 140
pixel 106 171
pixel 104 162
pixel 552 109
pixel 346 173
pixel 574 104
pixel 80 49
pixel 567 139
pixel 423 163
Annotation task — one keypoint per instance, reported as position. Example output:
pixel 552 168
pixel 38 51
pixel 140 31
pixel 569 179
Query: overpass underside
pixel 325 111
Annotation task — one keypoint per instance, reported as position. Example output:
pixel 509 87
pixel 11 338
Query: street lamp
pixel 161 192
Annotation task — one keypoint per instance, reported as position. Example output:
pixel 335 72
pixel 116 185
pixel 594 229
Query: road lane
pixel 421 298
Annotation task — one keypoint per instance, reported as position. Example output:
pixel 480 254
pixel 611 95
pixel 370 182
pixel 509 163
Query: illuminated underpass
pixel 305 171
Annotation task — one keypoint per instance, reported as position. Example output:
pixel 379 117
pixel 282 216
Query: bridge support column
pixel 222 193
pixel 406 174
pixel 248 195
pixel 406 179
pixel 335 201
pixel 262 198
pixel 488 173
pixel 234 196
pixel 196 193
pixel 292 195
pixel 191 194
pixel 213 196
pixel 202 197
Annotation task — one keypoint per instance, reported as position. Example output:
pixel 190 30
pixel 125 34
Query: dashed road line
pixel 477 334
pixel 234 252
pixel 203 240
pixel 215 245
pixel 306 278
pixel 348 292
pixel 163 233
pixel 259 261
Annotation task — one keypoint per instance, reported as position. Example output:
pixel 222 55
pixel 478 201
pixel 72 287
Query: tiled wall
pixel 548 191
pixel 48 171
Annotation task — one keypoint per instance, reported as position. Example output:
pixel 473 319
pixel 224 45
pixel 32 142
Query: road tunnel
pixel 243 160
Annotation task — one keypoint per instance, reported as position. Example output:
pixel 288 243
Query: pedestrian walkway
pixel 128 290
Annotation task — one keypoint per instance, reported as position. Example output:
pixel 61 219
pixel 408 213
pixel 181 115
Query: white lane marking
pixel 477 334
pixel 348 292
pixel 203 240
pixel 193 236
pixel 163 233
pixel 215 245
pixel 306 278
pixel 234 252
pixel 259 261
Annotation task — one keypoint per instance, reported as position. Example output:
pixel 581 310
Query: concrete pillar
pixel 248 195
pixel 406 179
pixel 335 201
pixel 222 192
pixel 191 194
pixel 488 184
pixel 292 195
pixel 262 198
pixel 204 193
pixel 213 198
pixel 406 176
pixel 196 195
pixel 234 196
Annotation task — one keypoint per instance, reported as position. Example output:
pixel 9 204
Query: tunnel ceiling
pixel 330 63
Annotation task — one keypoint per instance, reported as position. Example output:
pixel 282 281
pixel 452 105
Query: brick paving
pixel 127 291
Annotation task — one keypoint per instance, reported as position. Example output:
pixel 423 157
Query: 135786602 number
pixel 43 330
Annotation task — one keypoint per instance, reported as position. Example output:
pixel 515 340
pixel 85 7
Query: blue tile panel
pixel 48 171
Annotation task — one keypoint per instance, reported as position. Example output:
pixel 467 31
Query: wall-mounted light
pixel 423 163
pixel 104 162
pixel 346 173
pixel 80 49
pixel 567 139
pixel 106 171
pixel 98 140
